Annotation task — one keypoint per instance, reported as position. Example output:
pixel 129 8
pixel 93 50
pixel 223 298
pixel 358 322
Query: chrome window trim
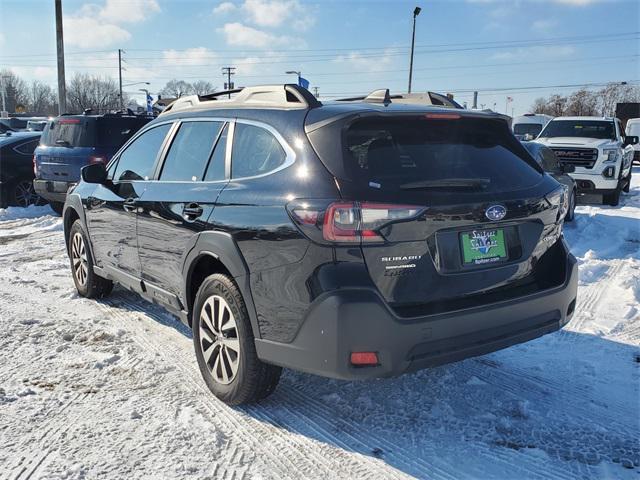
pixel 290 154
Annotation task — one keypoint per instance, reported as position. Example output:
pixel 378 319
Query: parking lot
pixel 112 390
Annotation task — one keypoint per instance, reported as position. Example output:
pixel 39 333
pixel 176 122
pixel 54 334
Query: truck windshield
pixel 524 128
pixel 600 129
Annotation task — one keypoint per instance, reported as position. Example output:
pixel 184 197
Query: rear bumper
pixel 358 320
pixel 53 191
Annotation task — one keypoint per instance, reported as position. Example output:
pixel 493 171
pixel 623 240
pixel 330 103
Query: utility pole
pixel 228 71
pixel 315 92
pixel 475 100
pixel 416 12
pixel 120 77
pixel 62 90
pixel 4 113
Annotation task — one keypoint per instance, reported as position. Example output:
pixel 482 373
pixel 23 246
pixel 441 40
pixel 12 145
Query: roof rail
pixel 383 96
pixel 283 96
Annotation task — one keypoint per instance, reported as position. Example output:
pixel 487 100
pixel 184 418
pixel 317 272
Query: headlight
pixel 611 155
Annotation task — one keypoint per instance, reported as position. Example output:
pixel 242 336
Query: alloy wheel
pixel 219 339
pixel 79 258
pixel 24 194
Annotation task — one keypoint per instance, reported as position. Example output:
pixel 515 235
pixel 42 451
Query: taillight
pixel 348 222
pixel 97 159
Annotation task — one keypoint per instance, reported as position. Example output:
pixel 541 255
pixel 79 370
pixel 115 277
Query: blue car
pixel 70 142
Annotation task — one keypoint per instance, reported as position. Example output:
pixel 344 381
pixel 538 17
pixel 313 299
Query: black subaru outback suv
pixel 354 239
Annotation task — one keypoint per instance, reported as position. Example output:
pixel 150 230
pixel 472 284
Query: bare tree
pixel 15 90
pixel 556 105
pixel 202 87
pixel 99 94
pixel 41 99
pixel 177 88
pixel 615 93
pixel 582 103
pixel 540 106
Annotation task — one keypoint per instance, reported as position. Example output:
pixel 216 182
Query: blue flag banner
pixel 149 104
pixel 303 82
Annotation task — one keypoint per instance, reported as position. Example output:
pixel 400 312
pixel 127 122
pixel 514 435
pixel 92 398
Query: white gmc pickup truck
pixel 599 150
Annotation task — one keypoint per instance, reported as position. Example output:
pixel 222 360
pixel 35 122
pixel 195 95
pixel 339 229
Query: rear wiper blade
pixel 447 183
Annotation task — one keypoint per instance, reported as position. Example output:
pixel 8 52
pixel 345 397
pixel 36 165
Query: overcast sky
pixel 341 47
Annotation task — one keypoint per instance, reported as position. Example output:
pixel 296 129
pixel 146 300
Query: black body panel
pixel 313 300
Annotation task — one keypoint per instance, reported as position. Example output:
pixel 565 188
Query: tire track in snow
pixel 522 384
pixel 51 431
pixel 308 460
pixel 587 305
pixel 314 415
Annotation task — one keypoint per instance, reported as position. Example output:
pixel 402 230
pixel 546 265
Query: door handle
pixel 192 211
pixel 130 204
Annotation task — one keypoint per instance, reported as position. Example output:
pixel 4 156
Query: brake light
pixel 96 159
pixel 442 116
pixel 348 222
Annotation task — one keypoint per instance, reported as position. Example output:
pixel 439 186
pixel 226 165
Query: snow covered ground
pixel 111 389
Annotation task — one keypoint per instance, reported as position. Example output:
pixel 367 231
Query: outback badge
pixel 495 212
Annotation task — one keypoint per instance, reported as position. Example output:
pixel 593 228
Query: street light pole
pixel 294 72
pixel 416 12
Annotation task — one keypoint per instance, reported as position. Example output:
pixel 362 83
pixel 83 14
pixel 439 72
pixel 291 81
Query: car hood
pixel 578 142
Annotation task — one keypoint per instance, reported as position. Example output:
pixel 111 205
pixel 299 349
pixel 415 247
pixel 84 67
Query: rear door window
pixel 27 148
pixel 440 153
pixel 138 159
pixel 190 151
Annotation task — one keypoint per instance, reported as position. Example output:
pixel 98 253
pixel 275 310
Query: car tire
pixel 57 207
pixel 627 185
pixel 571 213
pixel 22 194
pixel 87 282
pixel 613 199
pixel 225 346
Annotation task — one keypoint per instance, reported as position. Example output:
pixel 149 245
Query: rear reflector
pixel 364 358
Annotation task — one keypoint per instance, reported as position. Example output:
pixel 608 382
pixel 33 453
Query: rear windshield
pixel 580 128
pixel 443 154
pixel 524 128
pixel 102 132
pixel 69 132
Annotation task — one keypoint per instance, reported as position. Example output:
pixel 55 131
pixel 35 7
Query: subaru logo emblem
pixel 495 212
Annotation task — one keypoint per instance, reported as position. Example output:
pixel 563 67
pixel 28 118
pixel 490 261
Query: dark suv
pixel 352 239
pixel 70 142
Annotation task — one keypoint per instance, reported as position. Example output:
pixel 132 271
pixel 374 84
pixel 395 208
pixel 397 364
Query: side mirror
pixel 568 168
pixel 631 140
pixel 528 137
pixel 94 173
